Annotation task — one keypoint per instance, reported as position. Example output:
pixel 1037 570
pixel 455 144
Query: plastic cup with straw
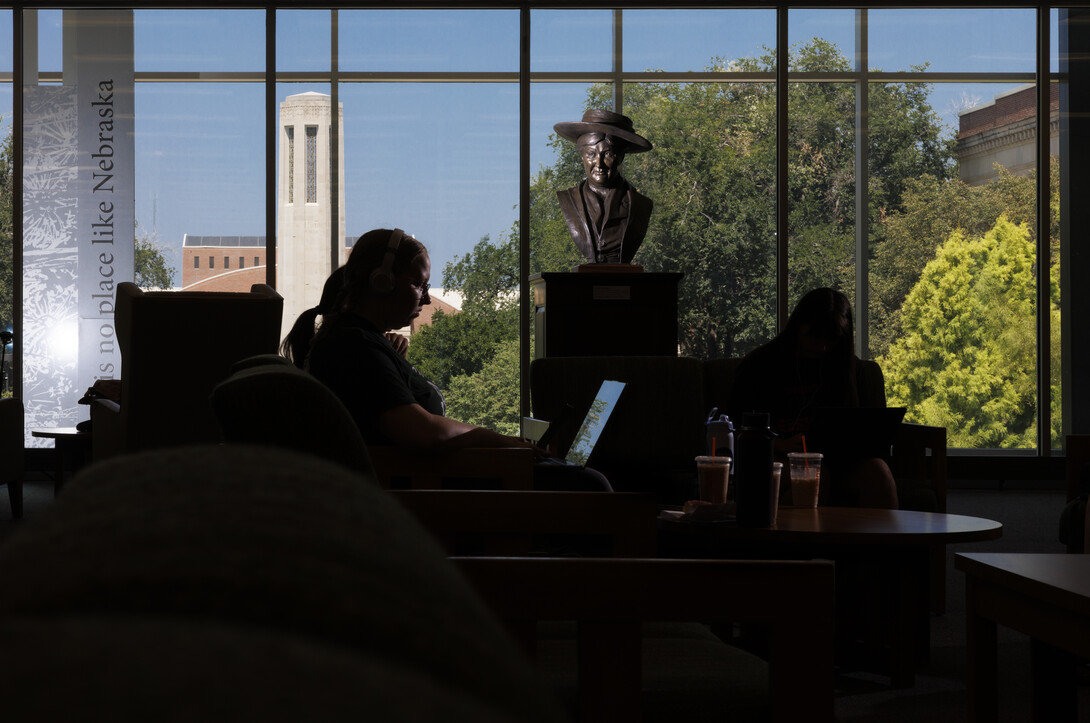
pixel 805 476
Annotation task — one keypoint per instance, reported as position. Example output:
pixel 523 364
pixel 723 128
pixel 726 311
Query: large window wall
pixel 764 121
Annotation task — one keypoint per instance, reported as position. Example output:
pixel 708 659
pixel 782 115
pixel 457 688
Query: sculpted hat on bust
pixel 608 122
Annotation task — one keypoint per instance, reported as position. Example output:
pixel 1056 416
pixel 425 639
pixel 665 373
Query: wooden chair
pixel 612 599
pixel 506 522
pixel 175 346
pixel 640 649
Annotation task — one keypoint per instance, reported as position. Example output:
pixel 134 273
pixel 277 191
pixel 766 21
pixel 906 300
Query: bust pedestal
pixel 605 313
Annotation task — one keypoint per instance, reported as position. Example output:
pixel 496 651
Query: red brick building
pixel 1004 131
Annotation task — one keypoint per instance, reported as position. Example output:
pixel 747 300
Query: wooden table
pixel 1045 596
pixel 882 556
pixel 71 450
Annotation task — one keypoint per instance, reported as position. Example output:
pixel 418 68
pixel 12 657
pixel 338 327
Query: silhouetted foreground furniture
pixel 282 406
pixel 507 522
pixel 613 599
pixel 883 567
pixel 234 583
pixel 268 402
pixel 639 651
pixel 175 346
pixel 1045 596
pixel 12 452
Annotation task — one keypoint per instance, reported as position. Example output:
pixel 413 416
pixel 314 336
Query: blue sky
pixel 441 161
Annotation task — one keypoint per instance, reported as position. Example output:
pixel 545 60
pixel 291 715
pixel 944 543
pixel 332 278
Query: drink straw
pixel 805 460
pixel 713 446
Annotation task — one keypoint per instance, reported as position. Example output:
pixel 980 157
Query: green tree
pixel 712 177
pixel 150 268
pixel 461 344
pixel 932 209
pixel 967 358
pixel 489 397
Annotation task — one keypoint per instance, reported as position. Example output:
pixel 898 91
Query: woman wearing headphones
pixel 384 286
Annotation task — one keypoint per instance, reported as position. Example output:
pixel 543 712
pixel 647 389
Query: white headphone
pixel 382 279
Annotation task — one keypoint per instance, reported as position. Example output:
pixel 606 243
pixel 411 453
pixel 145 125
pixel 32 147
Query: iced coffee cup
pixel 805 478
pixel 714 475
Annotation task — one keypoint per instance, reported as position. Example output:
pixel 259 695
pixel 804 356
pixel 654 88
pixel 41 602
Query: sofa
pixel 658 427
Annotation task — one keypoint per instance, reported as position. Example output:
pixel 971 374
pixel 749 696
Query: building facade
pixel 1003 131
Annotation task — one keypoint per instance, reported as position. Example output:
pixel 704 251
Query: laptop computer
pixel 854 432
pixel 594 421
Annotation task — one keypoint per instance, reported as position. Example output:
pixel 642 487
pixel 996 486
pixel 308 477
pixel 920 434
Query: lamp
pixel 5 338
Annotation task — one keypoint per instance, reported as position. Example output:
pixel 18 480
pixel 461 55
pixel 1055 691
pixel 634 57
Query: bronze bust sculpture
pixel 606 217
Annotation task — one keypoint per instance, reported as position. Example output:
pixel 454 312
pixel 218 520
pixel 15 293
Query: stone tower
pixel 305 215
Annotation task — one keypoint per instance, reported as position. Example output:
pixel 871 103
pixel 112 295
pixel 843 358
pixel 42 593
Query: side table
pixel 72 448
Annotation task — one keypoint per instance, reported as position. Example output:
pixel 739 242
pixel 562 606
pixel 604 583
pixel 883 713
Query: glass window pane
pixel 821 179
pixel 50 31
pixel 700 38
pixel 571 41
pixel 987 40
pixel 969 237
pixel 450 41
pixel 194 41
pixel 712 177
pixel 834 27
pixel 441 162
pixel 295 56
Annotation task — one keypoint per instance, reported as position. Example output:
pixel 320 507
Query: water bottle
pixel 753 471
pixel 722 431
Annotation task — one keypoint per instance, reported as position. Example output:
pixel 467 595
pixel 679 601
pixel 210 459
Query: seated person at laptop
pixel 811 365
pixel 384 286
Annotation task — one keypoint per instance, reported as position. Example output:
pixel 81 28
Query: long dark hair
pixel 347 286
pixel 296 344
pixel 826 314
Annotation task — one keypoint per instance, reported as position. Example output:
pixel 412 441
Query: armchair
pixel 175 346
pixel 276 404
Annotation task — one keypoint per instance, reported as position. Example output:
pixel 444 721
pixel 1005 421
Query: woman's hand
pixel 400 343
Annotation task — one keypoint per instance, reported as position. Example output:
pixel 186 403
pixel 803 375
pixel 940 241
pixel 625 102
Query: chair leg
pixel 15 495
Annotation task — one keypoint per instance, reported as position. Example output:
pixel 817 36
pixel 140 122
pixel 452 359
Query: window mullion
pixel 862 187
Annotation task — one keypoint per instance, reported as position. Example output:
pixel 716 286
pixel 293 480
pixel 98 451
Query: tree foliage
pixel 932 210
pixel 712 177
pixel 150 267
pixel 489 397
pixel 967 358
